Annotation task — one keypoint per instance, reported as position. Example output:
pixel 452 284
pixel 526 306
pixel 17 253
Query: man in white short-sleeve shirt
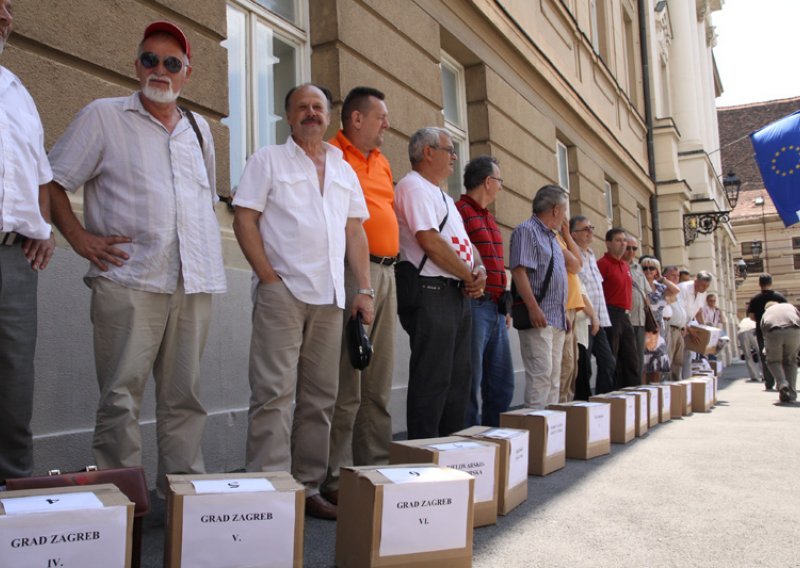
pixel 153 241
pixel 26 246
pixel 299 210
pixel 692 297
pixel 434 308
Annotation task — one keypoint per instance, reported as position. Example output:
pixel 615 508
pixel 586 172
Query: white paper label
pixel 630 412
pixel 422 474
pixel 455 446
pixel 667 392
pixel 556 434
pixel 709 391
pixel 479 463
pixel 653 402
pixel 642 401
pixel 65 539
pixel 502 433
pixel 243 485
pixel 238 529
pixel 688 395
pixel 599 423
pixel 543 412
pixel 51 503
pixel 518 459
pixel 424 517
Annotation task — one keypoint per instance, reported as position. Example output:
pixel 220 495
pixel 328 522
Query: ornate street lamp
pixel 741 269
pixel 755 249
pixel 732 185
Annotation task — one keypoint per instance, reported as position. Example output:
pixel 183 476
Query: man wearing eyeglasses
pixel 640 289
pixel 583 234
pixel 26 246
pixel 153 241
pixel 439 271
pixel 492 369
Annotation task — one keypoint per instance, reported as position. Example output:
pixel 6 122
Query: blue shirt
pixel 532 245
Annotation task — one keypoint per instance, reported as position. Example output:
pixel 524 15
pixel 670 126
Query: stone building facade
pixel 555 89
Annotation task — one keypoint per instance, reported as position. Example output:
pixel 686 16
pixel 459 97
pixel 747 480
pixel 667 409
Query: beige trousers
pixel 294 353
pixel 362 426
pixel 569 358
pixel 137 332
pixel 541 355
pixel 675 353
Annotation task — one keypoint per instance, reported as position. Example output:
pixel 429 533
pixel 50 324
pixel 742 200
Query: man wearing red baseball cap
pixel 153 242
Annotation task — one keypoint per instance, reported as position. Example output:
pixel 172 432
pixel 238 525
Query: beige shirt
pixel 780 316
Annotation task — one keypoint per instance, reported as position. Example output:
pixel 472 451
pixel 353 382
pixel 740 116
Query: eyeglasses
pixel 497 179
pixel 648 268
pixel 150 60
pixel 632 248
pixel 586 229
pixel 449 149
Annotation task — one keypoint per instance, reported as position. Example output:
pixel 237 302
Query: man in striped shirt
pixel 492 369
pixel 533 249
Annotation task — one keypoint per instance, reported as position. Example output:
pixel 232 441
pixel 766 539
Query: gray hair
pixel 549 196
pixel 704 276
pixel 428 136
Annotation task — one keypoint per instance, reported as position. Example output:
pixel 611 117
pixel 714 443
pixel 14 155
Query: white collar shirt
pixel 143 182
pixel 303 228
pixel 692 302
pixel 422 206
pixel 593 282
pixel 23 161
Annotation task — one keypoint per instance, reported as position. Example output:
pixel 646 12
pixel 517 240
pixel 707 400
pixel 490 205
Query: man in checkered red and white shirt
pixel 438 322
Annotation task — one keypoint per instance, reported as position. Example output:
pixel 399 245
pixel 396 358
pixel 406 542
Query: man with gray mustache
pixel 153 241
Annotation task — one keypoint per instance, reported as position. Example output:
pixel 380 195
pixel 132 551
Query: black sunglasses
pixel 150 60
pixel 649 268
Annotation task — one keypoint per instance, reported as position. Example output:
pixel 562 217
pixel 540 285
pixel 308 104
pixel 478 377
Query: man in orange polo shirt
pixel 362 426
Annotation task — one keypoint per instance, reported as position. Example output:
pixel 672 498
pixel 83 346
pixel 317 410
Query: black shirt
pixel 758 304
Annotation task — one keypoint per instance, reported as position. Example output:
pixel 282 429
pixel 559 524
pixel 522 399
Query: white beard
pixel 160 95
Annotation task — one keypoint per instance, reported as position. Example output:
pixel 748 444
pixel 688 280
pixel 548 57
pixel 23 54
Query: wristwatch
pixel 367 292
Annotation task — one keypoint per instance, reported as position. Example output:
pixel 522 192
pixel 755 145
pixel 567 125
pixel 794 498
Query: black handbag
pixel 406 277
pixel 519 311
pixel 358 344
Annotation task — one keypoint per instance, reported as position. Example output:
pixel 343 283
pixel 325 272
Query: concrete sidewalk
pixel 714 489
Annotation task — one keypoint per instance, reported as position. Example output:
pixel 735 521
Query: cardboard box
pixel 642 420
pixel 547 438
pixel 66 526
pixel 681 399
pixel 703 339
pixel 404 515
pixel 652 393
pixel 512 481
pixel 588 428
pixel 234 519
pixel 477 457
pixel 623 416
pixel 702 393
pixel 664 402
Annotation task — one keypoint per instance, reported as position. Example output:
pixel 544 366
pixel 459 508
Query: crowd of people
pixel 329 237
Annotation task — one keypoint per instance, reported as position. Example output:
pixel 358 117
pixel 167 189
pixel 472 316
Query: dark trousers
pixel 583 389
pixel 439 376
pixel 638 332
pixel 622 339
pixel 769 379
pixel 17 346
pixel 606 362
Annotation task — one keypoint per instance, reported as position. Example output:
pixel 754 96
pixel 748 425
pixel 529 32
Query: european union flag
pixel 777 148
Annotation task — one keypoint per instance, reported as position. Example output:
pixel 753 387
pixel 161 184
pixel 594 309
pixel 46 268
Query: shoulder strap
pixel 441 226
pixel 193 121
pixel 547 276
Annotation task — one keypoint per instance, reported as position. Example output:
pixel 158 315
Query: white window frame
pixel 562 164
pixel 459 132
pixel 295 35
pixel 609 195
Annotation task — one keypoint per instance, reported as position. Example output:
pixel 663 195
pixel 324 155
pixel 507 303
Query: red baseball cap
pixel 163 26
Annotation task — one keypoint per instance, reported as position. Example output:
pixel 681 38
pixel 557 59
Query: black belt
pixel 11 238
pixel 442 280
pixel 383 260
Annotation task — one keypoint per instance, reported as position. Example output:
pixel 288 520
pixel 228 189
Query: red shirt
pixel 617 281
pixel 484 234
